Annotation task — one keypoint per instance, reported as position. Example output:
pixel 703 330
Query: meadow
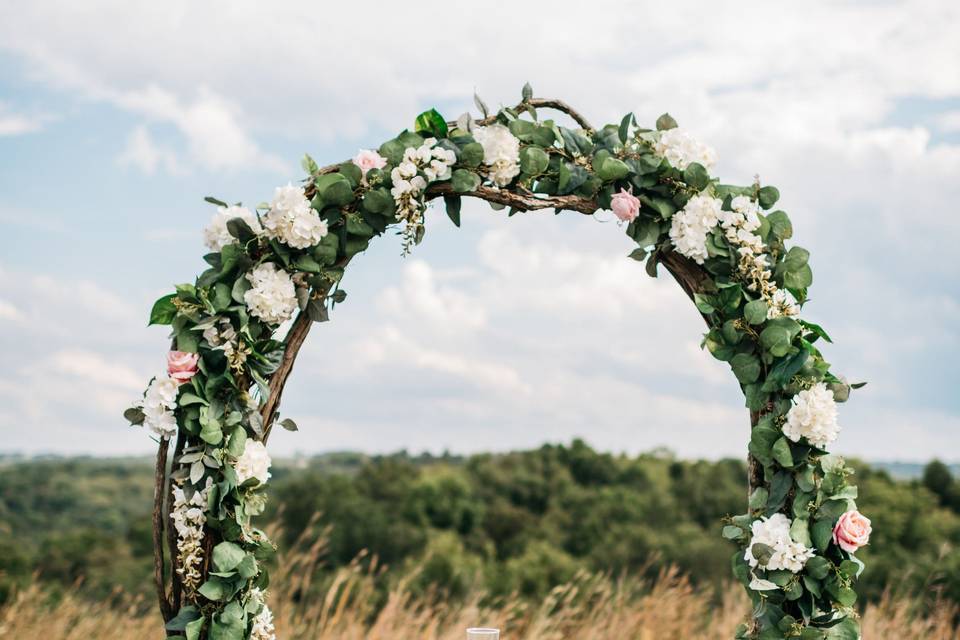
pixel 558 542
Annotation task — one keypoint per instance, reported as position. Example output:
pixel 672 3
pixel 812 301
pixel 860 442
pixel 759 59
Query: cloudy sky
pixel 117 118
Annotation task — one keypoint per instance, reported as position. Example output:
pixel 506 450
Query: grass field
pixel 349 607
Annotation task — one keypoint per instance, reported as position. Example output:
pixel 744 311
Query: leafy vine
pixel 285 260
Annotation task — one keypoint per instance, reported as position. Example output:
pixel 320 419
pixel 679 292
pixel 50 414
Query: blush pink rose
pixel 368 159
pixel 181 365
pixel 852 531
pixel 625 205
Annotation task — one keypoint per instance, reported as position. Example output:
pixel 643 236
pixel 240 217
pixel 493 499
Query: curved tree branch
pixel 159 491
pixel 176 582
pixel 294 340
pixel 526 201
pixel 544 103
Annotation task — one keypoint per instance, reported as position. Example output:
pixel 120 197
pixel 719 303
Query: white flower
pixel 254 462
pixel 689 226
pixel 434 164
pixel 162 422
pixel 273 298
pixel 503 171
pixel 158 404
pixel 447 156
pixel 501 152
pixel 221 333
pixel 163 390
pixel 216 236
pixel 292 220
pixel 749 210
pixel 813 416
pixel 262 628
pixel 775 533
pixel 781 304
pixel 681 149
pixel 189 517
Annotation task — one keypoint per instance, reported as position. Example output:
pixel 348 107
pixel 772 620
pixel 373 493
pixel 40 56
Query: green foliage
pixel 770 351
pixel 506 522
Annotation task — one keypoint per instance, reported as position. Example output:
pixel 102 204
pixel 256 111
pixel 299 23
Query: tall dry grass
pixel 349 607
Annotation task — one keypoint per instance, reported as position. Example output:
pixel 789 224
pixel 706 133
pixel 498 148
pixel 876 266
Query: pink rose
pixel 368 159
pixel 181 365
pixel 852 531
pixel 625 205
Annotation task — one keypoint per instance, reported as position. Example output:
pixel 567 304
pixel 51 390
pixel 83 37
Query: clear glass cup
pixel 481 633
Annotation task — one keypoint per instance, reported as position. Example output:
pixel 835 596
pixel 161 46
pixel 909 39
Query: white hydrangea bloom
pixel 501 152
pixel 689 226
pixel 216 236
pixel 775 533
pixel 292 220
pixel 681 149
pixel 273 297
pixel 158 404
pixel 813 416
pixel 254 462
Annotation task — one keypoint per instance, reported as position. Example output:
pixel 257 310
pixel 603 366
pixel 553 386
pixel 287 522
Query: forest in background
pixel 513 524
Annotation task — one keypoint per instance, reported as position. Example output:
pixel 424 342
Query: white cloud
pixel 9 312
pixel 80 356
pixel 212 126
pixel 145 154
pixel 548 331
pixel 949 122
pixel 15 124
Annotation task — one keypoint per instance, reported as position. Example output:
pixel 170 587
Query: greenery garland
pixel 219 399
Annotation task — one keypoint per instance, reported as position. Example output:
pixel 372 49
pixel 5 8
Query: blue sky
pixel 117 118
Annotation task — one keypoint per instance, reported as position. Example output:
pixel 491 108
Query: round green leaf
pixel 534 161
pixel 464 181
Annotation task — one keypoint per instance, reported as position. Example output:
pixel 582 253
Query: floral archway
pixel 214 409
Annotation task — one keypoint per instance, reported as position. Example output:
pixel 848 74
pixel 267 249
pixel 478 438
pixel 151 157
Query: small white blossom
pixel 189 517
pixel 158 404
pixel 220 334
pixel 262 627
pixel 501 152
pixel 292 220
pixel 216 236
pixel 813 416
pixel 419 167
pixel 254 462
pixel 682 149
pixel 781 304
pixel 273 297
pixel 775 533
